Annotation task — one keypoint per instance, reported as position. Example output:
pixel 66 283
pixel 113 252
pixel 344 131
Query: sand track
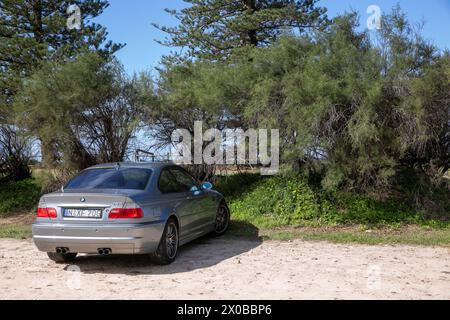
pixel 230 268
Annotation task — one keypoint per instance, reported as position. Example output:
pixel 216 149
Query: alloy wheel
pixel 172 240
pixel 222 219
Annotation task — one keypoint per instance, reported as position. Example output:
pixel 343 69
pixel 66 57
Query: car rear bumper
pixel 121 239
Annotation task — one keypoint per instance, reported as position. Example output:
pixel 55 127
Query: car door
pixel 177 196
pixel 200 202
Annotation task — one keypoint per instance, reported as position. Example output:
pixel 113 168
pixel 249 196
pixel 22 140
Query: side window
pixel 167 183
pixel 183 178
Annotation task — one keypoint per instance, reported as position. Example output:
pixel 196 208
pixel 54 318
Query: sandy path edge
pixel 230 268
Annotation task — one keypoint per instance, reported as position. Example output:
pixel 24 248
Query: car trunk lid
pixel 85 203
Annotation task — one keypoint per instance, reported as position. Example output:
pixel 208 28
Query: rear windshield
pixel 111 178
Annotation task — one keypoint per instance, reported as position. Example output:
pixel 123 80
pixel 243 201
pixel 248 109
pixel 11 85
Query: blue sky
pixel 130 21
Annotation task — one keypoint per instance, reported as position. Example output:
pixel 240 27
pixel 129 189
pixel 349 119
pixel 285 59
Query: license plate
pixel 83 213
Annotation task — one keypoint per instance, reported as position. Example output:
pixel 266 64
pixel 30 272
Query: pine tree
pixel 213 28
pixel 35 31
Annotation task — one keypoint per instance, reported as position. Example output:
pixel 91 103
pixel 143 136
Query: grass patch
pixel 424 238
pixel 14 231
pixel 360 234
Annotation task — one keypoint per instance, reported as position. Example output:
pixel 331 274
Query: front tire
pixel 62 258
pixel 168 246
pixel 222 222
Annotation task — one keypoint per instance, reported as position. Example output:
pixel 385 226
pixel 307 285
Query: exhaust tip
pixel 104 251
pixel 62 250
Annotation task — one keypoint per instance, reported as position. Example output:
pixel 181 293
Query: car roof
pixel 144 165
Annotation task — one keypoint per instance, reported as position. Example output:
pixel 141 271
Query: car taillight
pixel 46 213
pixel 129 213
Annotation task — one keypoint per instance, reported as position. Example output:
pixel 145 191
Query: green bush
pixel 18 196
pixel 291 201
pixel 236 184
pixel 354 208
pixel 275 202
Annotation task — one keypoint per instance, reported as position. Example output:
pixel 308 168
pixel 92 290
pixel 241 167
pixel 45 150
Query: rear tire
pixel 222 222
pixel 62 258
pixel 168 246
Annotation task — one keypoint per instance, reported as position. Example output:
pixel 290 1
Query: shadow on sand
pixel 201 253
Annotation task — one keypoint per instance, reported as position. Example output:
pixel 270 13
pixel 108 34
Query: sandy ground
pixel 231 268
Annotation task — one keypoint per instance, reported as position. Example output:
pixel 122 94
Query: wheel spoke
pixel 171 240
pixel 221 219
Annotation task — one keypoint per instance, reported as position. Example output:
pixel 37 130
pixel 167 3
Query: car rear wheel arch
pixel 175 218
pixel 162 256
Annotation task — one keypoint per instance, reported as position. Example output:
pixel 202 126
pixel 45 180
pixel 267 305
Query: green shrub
pixel 276 202
pixel 291 201
pixel 236 184
pixel 18 196
pixel 354 208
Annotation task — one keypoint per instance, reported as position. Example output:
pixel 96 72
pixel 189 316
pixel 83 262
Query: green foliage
pixel 87 107
pixel 35 31
pixel 291 201
pixel 275 202
pixel 236 184
pixel 360 209
pixel 212 29
pixel 19 196
pixel 353 110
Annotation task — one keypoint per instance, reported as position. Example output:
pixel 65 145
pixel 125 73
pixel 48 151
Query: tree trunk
pixel 250 5
pixel 48 153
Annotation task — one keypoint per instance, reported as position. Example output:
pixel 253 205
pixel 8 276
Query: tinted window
pixel 183 178
pixel 167 183
pixel 127 178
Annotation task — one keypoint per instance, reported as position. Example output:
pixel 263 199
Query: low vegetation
pixel 15 231
pixel 19 197
pixel 18 201
pixel 289 207
pixel 290 201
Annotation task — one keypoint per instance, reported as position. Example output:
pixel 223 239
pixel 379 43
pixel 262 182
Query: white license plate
pixel 83 213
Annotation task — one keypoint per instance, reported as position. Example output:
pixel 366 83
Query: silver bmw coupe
pixel 128 208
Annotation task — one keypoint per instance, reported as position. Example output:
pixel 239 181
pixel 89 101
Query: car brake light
pixel 46 213
pixel 128 213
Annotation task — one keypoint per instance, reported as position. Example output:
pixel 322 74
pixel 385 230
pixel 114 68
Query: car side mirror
pixel 207 186
pixel 195 190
